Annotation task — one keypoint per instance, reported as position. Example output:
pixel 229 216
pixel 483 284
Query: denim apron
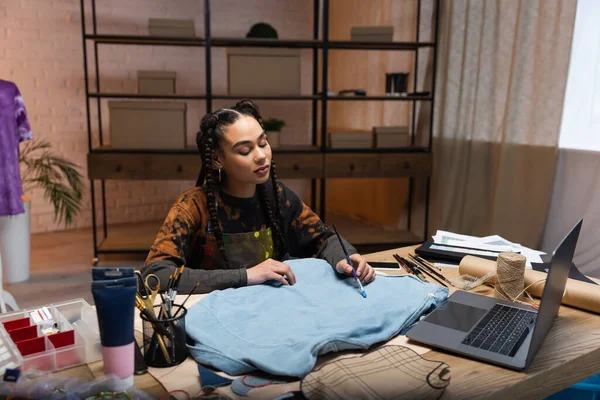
pixel 243 250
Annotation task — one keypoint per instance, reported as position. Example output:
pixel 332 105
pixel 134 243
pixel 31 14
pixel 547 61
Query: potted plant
pixel 272 127
pixel 62 184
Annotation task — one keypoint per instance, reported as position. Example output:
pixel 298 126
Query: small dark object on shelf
pixel 396 83
pixel 351 92
pixel 262 30
pixel 329 93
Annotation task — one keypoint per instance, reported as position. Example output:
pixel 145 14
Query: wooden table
pixel 570 353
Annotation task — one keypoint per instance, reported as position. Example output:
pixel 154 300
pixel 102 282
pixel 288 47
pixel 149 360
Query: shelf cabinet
pixel 141 166
pixel 357 165
pixel 316 162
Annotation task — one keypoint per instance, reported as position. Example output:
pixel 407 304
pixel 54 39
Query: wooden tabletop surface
pixel 570 353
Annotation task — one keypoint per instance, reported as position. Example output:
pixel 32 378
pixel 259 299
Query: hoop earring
pixel 219 174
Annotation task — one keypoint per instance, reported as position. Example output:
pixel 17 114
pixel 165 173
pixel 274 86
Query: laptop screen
pixel 554 289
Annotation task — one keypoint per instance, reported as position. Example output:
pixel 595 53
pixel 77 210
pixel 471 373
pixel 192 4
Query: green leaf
pixel 59 178
pixel 273 124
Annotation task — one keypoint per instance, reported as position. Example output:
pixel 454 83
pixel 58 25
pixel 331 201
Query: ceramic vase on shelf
pixel 15 244
pixel 274 138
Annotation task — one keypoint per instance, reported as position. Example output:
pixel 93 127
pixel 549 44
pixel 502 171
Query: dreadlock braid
pixel 211 200
pixel 275 218
pixel 209 140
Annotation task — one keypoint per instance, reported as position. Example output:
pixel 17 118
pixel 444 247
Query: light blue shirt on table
pixel 282 330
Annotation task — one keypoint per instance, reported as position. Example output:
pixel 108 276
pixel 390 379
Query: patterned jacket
pixel 182 237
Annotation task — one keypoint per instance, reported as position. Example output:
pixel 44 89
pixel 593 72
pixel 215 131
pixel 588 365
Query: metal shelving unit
pixel 317 162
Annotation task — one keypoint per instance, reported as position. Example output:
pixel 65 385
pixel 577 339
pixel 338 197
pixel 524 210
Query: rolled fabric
pixel 577 293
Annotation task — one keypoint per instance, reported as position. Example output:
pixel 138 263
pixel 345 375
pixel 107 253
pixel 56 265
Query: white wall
pixel 581 113
pixel 576 192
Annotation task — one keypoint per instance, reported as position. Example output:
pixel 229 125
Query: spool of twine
pixel 510 270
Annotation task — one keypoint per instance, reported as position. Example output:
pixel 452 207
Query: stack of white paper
pixel 488 245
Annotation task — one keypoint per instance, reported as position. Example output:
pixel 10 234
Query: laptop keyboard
pixel 502 330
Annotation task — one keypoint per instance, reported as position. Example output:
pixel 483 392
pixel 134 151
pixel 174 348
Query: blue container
pixel 588 389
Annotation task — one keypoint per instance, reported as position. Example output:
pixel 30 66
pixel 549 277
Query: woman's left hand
pixel 364 271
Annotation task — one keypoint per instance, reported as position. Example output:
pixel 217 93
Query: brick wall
pixel 41 51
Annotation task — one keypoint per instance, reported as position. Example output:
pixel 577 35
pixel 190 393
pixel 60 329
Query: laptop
pixel 500 332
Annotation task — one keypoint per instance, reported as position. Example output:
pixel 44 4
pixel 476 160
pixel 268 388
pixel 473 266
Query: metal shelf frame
pixel 321 46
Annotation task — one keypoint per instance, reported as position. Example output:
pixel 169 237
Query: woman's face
pixel 246 154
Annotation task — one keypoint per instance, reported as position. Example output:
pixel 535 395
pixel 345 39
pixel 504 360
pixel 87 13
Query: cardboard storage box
pixel 372 33
pixel 350 140
pixel 156 82
pixel 391 136
pixel 147 124
pixel 171 27
pixel 263 71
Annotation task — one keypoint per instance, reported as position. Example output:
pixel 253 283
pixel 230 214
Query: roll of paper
pixel 577 294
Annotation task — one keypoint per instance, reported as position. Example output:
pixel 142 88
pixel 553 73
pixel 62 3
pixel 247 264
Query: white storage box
pixel 372 33
pixel 156 82
pixel 391 136
pixel 171 27
pixel 263 71
pixel 24 341
pixel 147 124
pixel 348 140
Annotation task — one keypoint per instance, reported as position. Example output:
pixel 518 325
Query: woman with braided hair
pixel 239 222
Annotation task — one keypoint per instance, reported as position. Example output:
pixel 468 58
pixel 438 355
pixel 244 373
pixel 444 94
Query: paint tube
pixel 114 291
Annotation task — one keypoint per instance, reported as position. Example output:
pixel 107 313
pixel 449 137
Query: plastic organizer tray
pixel 25 340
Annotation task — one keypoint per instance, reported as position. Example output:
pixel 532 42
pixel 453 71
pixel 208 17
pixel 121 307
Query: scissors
pixel 148 288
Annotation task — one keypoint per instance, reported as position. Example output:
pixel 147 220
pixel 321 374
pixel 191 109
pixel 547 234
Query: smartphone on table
pixel 385 266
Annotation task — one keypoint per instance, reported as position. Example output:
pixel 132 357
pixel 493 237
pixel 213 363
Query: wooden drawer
pixel 290 165
pixel 383 165
pixel 134 166
pixel 175 166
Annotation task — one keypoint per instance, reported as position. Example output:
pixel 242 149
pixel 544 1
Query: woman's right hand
pixel 269 270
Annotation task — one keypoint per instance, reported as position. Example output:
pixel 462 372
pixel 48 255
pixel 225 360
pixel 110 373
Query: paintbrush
pixel 427 268
pixel 415 271
pixel 420 268
pixel 362 291
pixel 186 299
pixel 430 265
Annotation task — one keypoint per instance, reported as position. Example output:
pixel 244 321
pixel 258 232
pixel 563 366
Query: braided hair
pixel 209 140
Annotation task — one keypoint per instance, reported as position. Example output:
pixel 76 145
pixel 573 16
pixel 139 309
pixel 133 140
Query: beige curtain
pixel 502 70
